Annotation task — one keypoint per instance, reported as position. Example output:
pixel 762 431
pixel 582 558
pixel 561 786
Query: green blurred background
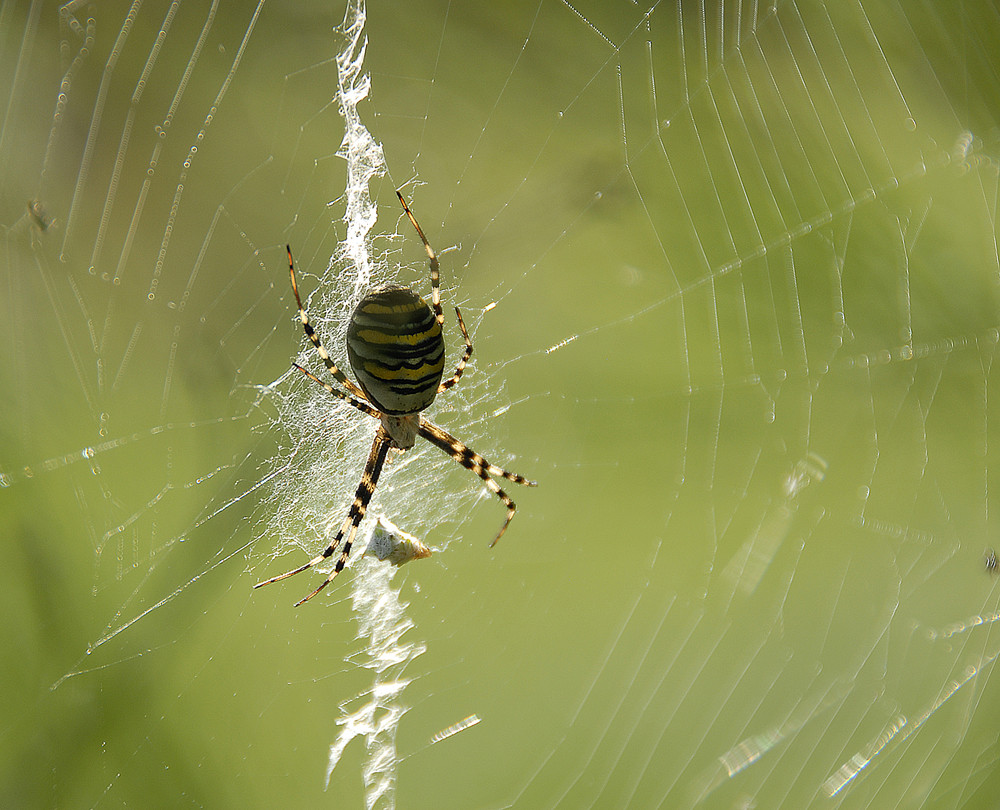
pixel 745 268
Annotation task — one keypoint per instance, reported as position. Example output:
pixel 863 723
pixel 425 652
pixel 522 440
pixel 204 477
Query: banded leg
pixel 361 405
pixel 471 460
pixel 435 269
pixel 369 478
pixel 311 334
pixel 436 300
pixel 454 378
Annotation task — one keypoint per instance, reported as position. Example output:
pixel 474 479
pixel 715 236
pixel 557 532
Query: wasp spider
pixel 396 350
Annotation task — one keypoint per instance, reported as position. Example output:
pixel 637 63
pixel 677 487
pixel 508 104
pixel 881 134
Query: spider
pixel 396 351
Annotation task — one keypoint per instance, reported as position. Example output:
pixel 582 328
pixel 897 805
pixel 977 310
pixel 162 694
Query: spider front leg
pixel 369 479
pixel 471 460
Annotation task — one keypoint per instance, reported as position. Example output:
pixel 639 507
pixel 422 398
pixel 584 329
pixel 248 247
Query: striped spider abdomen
pixel 396 350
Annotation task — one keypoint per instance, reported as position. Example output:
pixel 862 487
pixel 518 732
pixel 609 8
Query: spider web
pixel 731 274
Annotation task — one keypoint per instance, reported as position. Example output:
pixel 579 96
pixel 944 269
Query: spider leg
pixel 435 269
pixel 471 460
pixel 436 300
pixel 311 334
pixel 369 478
pixel 361 405
pixel 454 378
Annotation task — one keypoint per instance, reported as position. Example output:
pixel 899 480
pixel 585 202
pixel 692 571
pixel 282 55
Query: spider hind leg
pixel 324 355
